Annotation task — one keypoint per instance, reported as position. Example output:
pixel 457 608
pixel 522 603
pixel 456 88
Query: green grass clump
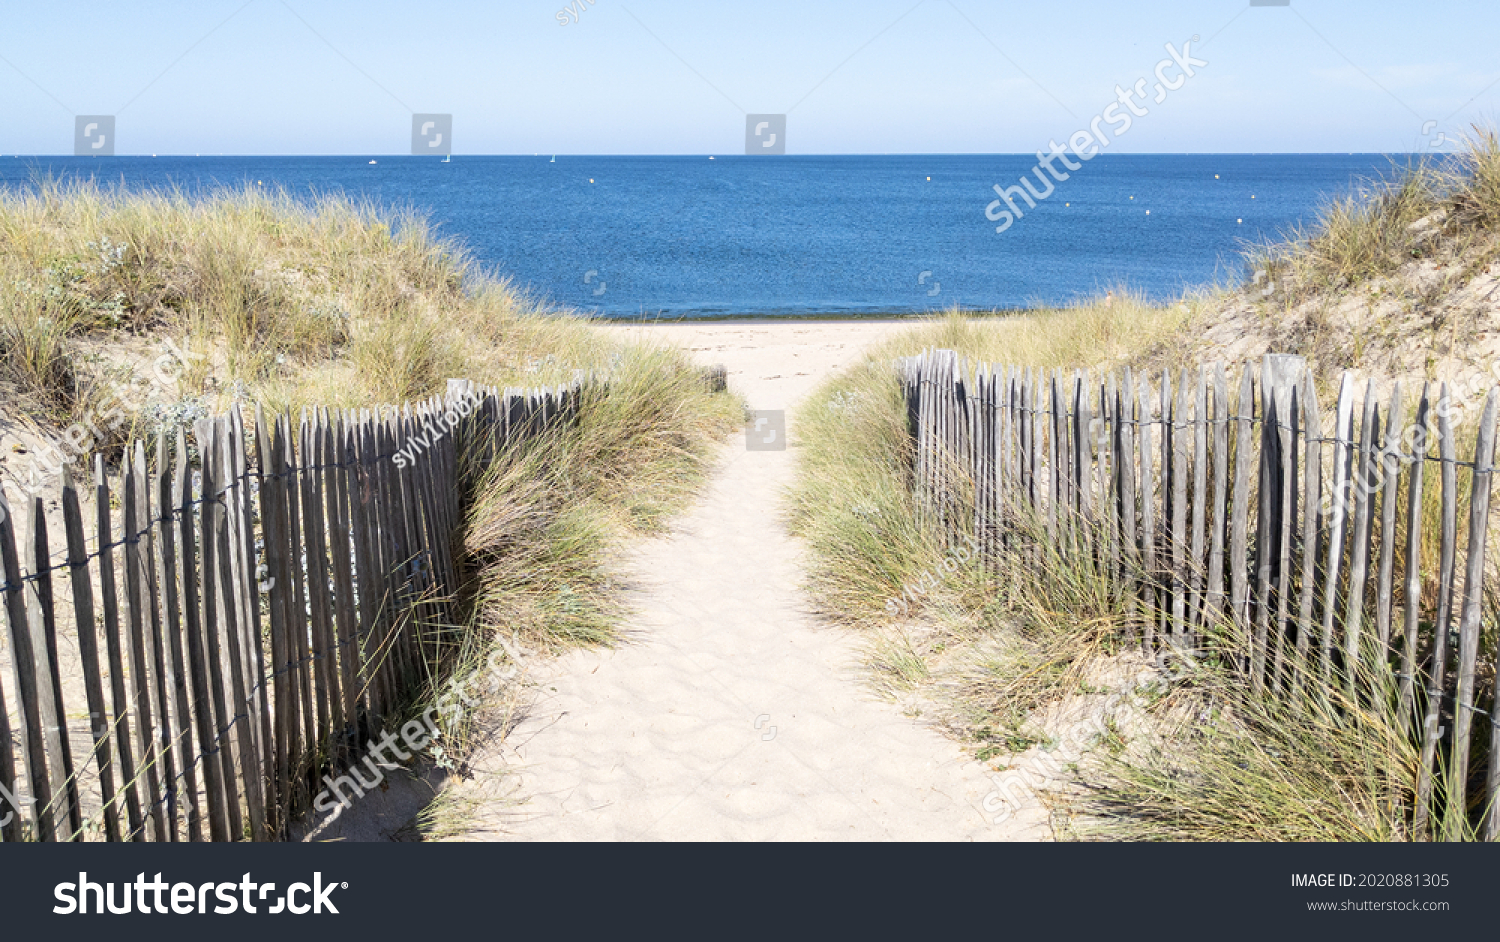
pixel 1223 763
pixel 34 357
pixel 851 501
pixel 1476 200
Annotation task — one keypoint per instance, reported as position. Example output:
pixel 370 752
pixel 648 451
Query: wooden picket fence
pixel 283 592
pixel 1253 511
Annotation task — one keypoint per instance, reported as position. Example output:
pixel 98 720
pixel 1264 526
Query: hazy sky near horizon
pixel 678 76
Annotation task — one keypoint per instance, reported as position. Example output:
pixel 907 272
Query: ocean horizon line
pixel 844 236
pixel 730 154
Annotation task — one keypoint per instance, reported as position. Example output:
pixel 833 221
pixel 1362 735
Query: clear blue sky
pixel 677 76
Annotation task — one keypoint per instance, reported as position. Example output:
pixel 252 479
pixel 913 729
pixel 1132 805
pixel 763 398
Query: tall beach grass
pixel 287 301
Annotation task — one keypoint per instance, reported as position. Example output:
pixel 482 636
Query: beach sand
pixel 728 712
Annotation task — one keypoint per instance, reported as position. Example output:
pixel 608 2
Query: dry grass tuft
pixel 1224 764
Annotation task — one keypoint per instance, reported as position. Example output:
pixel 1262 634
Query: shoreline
pixel 773 364
pixel 811 317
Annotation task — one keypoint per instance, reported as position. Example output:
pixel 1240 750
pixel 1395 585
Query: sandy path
pixel 729 712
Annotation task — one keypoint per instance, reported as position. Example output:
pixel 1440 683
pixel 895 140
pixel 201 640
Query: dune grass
pixel 327 300
pixel 1432 208
pixel 1103 333
pixel 295 301
pixel 1219 762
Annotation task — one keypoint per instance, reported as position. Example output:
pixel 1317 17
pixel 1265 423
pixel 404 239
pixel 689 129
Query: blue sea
pixel 856 236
